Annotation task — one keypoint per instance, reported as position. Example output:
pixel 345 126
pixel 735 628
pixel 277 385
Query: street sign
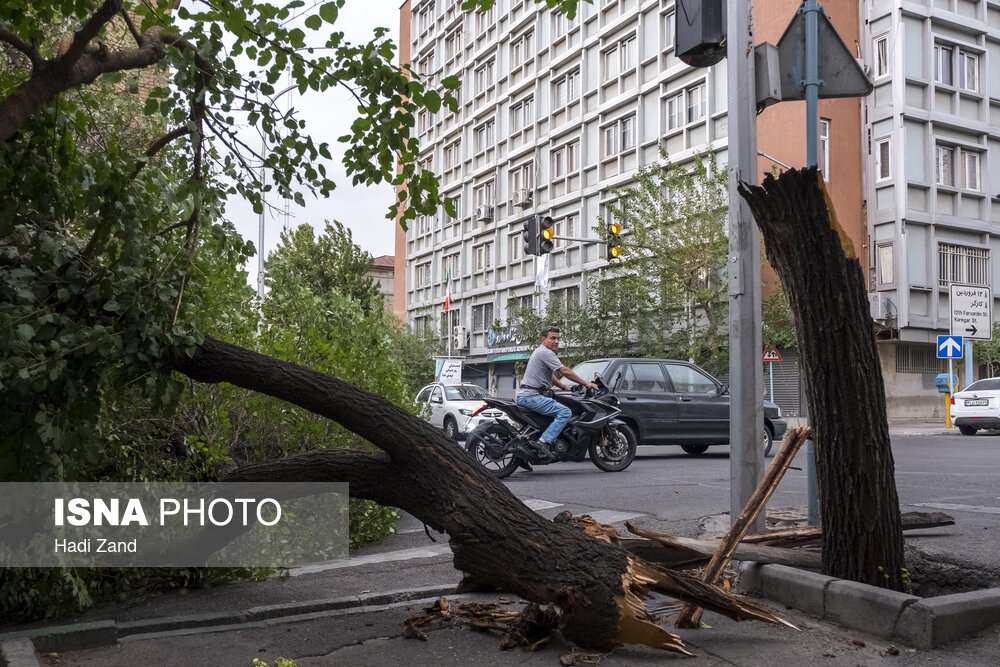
pixel 771 354
pixel 949 347
pixel 971 312
pixel 839 70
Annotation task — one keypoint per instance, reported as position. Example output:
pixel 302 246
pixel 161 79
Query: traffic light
pixel 546 232
pixel 530 235
pixel 700 29
pixel 614 241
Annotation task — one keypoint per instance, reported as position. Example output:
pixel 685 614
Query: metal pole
pixel 770 376
pixel 811 7
pixel 968 363
pixel 260 218
pixel 746 371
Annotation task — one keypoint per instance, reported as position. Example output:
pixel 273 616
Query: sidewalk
pixel 905 428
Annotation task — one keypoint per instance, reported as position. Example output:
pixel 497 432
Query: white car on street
pixel 977 406
pixel 452 405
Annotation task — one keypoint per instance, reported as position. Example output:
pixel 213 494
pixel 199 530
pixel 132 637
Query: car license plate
pixel 977 401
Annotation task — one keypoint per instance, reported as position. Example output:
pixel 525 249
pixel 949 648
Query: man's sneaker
pixel 543 450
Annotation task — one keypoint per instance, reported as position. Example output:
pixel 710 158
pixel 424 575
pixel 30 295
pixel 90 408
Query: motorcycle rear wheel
pixel 482 440
pixel 615 449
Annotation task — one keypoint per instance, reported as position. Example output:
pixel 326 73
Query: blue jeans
pixel 544 405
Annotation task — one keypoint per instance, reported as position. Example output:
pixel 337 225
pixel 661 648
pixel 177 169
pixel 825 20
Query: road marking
pixel 384 557
pixel 536 504
pixel 961 508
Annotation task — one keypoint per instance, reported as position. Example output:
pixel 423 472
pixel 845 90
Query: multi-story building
pixel 555 113
pixel 932 191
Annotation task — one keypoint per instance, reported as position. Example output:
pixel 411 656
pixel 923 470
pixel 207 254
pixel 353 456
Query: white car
pixel 451 407
pixel 977 406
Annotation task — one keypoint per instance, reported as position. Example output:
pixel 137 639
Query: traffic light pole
pixel 746 425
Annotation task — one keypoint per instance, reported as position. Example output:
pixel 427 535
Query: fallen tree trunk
pixel 793 537
pixel 496 540
pixel 754 552
pixel 862 538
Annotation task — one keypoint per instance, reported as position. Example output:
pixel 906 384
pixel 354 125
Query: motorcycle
pixel 592 429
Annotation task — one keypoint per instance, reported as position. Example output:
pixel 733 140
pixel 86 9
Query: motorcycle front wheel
pixel 614 449
pixel 487 444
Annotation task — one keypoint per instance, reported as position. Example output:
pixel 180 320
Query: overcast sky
pixel 328 115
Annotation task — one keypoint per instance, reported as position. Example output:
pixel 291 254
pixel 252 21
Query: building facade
pixel 555 113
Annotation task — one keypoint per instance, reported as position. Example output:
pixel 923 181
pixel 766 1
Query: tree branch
pixel 82 37
pixel 27 49
pixel 131 27
pixel 156 147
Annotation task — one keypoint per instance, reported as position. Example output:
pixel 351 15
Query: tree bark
pixel 495 538
pixel 862 538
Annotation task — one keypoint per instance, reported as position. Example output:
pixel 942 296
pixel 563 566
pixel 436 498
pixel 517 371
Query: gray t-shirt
pixel 538 372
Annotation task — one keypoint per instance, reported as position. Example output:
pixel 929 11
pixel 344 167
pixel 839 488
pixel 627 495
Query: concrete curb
pixel 77 636
pixel 922 623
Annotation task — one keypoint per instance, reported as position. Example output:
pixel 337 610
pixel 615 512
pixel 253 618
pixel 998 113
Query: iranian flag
pixel 447 282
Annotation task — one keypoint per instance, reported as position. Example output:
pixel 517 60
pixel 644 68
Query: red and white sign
pixel 771 354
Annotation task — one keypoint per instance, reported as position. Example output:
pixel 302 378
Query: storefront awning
pixel 513 356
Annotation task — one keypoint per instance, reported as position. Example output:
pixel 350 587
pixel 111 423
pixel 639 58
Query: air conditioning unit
pixel 461 338
pixel 876 305
pixel 484 213
pixel 522 198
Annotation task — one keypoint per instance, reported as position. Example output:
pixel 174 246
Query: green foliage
pixel 778 322
pixel 370 522
pixel 987 352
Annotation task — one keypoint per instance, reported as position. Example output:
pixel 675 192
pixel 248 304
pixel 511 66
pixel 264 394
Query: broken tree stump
pixel 825 285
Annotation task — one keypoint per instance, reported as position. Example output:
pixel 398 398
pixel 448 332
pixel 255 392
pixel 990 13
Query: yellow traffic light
pixel 614 252
pixel 615 228
pixel 548 233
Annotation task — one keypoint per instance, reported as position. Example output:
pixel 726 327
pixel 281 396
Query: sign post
pixel 771 355
pixel 949 347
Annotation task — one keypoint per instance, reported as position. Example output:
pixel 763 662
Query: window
pixel 567 226
pixel 485 194
pixel 881 56
pixel 485 77
pixel 564 159
pixel 884 259
pixel 942 64
pixel 519 304
pixel 423 121
pixel 882 170
pixel 482 317
pixel 453 44
pixel 970 171
pixel 485 19
pixel 964 265
pixel 824 148
pixel 667 34
pixel 944 170
pixel 675 112
pixel 425 17
pixel 968 71
pixel 484 256
pixel 620 58
pixel 453 154
pixel 696 103
pixel 515 246
pixel 566 88
pixel 522 176
pixel 566 298
pixel 619 136
pixel 522 114
pixel 687 380
pixel 520 50
pixel 422 277
pixel 643 377
pixel 484 135
pixel 561 25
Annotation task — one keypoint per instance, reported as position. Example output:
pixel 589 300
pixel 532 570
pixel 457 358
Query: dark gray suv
pixel 670 402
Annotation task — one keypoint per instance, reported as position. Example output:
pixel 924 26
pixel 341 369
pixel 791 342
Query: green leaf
pixel 25 332
pixel 329 12
pixel 314 22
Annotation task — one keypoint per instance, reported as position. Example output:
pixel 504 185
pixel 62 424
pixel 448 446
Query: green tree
pixel 675 248
pixel 327 264
pixel 987 352
pixel 776 318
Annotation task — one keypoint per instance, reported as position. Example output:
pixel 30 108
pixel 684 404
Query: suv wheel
pixel 968 430
pixel 767 442
pixel 695 450
pixel 450 428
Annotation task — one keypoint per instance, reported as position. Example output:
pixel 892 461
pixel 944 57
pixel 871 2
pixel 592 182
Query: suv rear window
pixel 984 385
pixel 464 392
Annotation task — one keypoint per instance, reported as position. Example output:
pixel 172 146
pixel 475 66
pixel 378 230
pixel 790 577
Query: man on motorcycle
pixel 538 377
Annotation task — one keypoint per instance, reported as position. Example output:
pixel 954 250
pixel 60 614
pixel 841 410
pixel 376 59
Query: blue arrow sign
pixel 949 347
